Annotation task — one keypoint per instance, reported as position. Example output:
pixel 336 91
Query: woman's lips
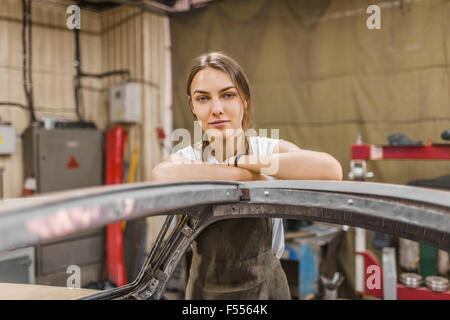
pixel 219 124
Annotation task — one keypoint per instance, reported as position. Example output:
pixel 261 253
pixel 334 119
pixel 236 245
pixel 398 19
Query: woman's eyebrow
pixel 200 91
pixel 227 88
pixel 206 92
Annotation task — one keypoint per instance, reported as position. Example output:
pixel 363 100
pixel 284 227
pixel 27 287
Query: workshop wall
pixel 118 38
pixel 321 76
pixel 53 72
pixel 136 40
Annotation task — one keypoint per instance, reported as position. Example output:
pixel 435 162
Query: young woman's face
pixel 216 102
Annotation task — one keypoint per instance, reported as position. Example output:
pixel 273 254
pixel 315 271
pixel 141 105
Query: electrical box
pixel 85 250
pixel 17 266
pixel 62 159
pixel 7 139
pixel 125 103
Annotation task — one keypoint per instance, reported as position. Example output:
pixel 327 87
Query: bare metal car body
pixel 418 214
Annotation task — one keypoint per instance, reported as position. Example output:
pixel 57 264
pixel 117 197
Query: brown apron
pixel 233 260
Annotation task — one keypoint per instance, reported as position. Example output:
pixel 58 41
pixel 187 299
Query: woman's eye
pixel 202 99
pixel 229 95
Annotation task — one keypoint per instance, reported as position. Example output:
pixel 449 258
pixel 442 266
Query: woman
pixel 237 258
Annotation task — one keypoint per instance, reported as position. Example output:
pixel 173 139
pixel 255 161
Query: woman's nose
pixel 217 107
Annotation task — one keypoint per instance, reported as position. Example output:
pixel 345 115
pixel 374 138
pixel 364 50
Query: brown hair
pixel 226 64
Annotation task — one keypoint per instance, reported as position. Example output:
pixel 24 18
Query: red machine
pixel 425 152
pixel 403 293
pixel 360 153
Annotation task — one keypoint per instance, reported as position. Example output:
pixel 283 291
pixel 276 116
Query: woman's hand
pixel 289 162
pixel 252 175
pixel 229 162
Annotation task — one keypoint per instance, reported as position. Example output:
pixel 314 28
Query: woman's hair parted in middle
pixel 226 64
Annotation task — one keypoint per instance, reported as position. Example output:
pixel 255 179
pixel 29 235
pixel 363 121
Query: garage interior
pixel 95 101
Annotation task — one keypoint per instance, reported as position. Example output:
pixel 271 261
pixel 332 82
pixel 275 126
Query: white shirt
pixel 259 146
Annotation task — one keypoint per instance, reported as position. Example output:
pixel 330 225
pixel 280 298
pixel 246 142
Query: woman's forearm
pixel 171 172
pixel 299 165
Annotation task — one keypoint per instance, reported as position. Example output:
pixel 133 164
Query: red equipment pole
pixel 115 143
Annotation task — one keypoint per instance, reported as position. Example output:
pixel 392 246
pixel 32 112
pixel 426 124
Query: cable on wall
pixel 27 61
pixel 80 74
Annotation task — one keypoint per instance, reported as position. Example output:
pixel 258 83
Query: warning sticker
pixel 73 163
pixel 1 140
